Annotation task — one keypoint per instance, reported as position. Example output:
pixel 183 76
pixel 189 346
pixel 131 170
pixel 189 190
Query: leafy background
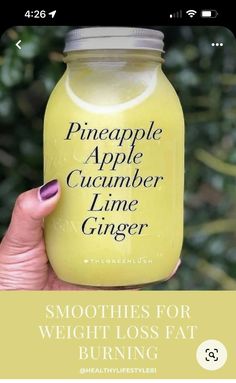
pixel 205 80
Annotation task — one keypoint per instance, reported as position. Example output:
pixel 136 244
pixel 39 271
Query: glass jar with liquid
pixel 114 138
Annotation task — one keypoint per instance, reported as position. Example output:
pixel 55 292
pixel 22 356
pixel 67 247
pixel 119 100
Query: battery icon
pixel 209 13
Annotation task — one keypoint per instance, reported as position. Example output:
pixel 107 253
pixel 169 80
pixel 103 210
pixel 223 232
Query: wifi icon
pixel 191 12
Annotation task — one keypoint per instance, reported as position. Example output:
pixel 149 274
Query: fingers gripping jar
pixel 114 138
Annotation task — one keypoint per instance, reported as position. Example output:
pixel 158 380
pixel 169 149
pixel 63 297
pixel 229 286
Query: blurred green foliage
pixel 205 79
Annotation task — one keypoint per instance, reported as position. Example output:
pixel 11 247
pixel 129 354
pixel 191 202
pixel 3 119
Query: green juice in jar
pixel 114 138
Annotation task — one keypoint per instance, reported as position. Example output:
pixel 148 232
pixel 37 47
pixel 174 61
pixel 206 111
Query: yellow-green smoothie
pixel 114 138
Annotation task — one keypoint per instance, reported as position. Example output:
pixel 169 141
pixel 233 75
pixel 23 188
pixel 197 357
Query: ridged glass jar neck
pixel 114 55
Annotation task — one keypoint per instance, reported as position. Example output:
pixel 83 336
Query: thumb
pixel 25 230
pixel 22 248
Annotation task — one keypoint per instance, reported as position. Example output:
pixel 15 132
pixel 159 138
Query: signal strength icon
pixel 177 15
pixel 191 12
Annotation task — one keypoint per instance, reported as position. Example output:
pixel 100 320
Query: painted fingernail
pixel 49 190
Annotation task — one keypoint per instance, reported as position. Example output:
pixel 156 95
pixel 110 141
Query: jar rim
pixel 95 38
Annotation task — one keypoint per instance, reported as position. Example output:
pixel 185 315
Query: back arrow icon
pixel 18 44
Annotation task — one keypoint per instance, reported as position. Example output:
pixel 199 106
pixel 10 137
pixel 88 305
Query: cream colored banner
pixel 118 334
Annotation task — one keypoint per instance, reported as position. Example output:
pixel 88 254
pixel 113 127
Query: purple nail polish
pixel 49 190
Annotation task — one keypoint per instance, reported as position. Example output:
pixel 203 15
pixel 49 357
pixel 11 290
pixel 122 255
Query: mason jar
pixel 114 138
